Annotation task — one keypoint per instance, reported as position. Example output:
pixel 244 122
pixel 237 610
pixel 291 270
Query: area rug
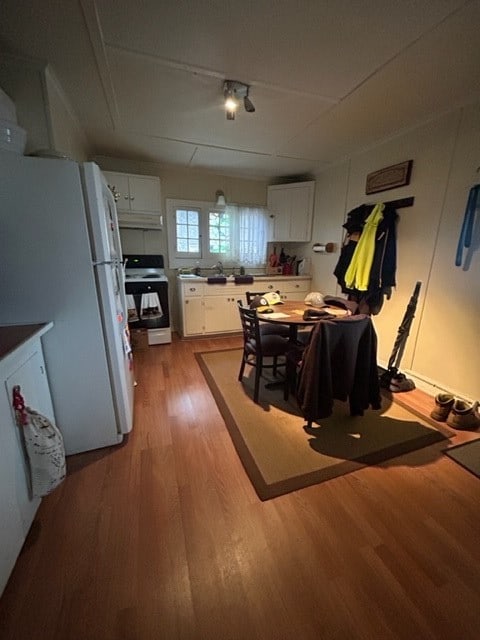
pixel 280 454
pixel 467 455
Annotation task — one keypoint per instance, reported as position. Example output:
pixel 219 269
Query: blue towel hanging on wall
pixel 466 233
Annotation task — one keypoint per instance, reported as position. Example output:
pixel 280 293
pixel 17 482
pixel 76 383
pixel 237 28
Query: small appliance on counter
pixel 146 286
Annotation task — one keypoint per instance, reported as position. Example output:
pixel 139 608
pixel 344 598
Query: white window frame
pixel 182 254
pixel 179 260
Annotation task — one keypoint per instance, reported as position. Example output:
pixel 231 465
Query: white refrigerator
pixel 60 261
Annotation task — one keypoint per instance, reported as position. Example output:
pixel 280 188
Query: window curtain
pixel 249 226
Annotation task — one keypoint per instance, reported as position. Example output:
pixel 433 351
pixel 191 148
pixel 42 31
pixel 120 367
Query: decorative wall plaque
pixel 398 175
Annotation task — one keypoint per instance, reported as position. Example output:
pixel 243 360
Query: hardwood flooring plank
pixel 164 537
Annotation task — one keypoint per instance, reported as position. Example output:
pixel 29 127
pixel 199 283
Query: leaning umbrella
pixel 392 378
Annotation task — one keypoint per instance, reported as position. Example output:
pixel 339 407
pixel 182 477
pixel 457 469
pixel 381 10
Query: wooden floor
pixel 164 538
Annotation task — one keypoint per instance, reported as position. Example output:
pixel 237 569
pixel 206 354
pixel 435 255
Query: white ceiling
pixel 328 78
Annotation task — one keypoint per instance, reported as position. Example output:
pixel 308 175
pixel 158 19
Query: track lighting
pixel 234 91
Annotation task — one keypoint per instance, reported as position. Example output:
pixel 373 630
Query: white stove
pixel 140 275
pixel 146 286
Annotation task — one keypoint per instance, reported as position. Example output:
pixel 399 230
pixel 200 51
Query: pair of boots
pixel 457 413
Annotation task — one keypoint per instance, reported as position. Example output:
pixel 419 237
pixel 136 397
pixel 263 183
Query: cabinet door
pixel 221 314
pixel 291 206
pixel 144 194
pixel 300 204
pixel 12 533
pixel 278 208
pixel 33 382
pixel 17 509
pixel 296 289
pixel 193 316
pixel 118 184
pixel 138 200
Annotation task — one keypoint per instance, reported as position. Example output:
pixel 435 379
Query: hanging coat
pixel 383 269
pixel 357 275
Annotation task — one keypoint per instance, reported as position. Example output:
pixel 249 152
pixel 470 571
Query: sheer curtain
pixel 249 227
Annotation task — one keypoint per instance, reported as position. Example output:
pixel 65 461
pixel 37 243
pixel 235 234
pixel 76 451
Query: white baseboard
pixel 429 386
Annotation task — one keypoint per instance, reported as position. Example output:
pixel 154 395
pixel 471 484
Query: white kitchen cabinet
pixel 193 317
pixel 207 309
pixel 22 365
pixel 295 289
pixel 290 207
pixel 221 314
pixel 138 199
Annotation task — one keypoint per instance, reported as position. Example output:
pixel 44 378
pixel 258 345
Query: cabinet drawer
pixel 296 285
pixel 191 290
pixel 267 285
pixel 230 290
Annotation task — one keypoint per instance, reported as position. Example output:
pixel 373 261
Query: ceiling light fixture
pixel 234 91
pixel 220 199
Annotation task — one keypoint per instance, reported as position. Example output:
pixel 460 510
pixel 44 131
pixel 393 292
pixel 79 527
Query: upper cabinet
pixel 138 199
pixel 291 210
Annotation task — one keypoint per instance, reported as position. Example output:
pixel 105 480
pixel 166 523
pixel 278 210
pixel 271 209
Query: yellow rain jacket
pixel 357 275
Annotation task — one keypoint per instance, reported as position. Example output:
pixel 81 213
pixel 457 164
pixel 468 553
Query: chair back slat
pixel 250 324
pixel 255 347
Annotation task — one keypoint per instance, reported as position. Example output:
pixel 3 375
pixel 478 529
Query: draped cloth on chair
pixel 339 362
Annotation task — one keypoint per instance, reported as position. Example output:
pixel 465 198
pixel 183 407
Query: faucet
pixel 218 267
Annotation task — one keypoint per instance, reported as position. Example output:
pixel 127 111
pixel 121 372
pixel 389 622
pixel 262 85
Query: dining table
pixel 290 313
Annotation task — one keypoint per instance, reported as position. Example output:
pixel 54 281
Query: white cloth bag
pixel 44 447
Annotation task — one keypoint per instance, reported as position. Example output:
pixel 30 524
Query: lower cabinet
pixel 221 314
pixel 295 290
pixel 25 367
pixel 212 309
pixel 193 317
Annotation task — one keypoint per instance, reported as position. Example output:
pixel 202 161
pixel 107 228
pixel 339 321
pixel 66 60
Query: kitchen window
pixel 200 234
pixel 187 232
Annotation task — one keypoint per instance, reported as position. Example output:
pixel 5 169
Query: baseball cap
pixel 260 303
pixel 272 297
pixel 315 299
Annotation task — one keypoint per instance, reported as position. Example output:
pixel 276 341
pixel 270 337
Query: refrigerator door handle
pixel 102 262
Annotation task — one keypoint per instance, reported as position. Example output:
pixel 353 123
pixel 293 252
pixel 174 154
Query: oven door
pixel 151 304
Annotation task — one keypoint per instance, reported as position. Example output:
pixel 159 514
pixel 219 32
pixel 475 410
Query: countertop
pixel 260 278
pixel 13 336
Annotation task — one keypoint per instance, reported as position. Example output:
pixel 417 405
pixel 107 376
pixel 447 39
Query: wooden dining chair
pixel 267 328
pixel 257 347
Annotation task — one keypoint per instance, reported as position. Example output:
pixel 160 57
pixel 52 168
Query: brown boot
pixel 464 415
pixel 443 404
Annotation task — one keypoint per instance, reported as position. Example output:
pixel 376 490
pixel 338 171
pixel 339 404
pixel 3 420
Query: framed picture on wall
pixel 398 175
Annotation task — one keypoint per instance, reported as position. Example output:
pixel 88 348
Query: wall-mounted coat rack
pixel 401 203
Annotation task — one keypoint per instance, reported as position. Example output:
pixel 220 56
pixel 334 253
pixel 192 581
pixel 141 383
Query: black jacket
pixel 383 270
pixel 339 362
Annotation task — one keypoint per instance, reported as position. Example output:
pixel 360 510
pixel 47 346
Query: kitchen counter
pixel 230 279
pixel 13 336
